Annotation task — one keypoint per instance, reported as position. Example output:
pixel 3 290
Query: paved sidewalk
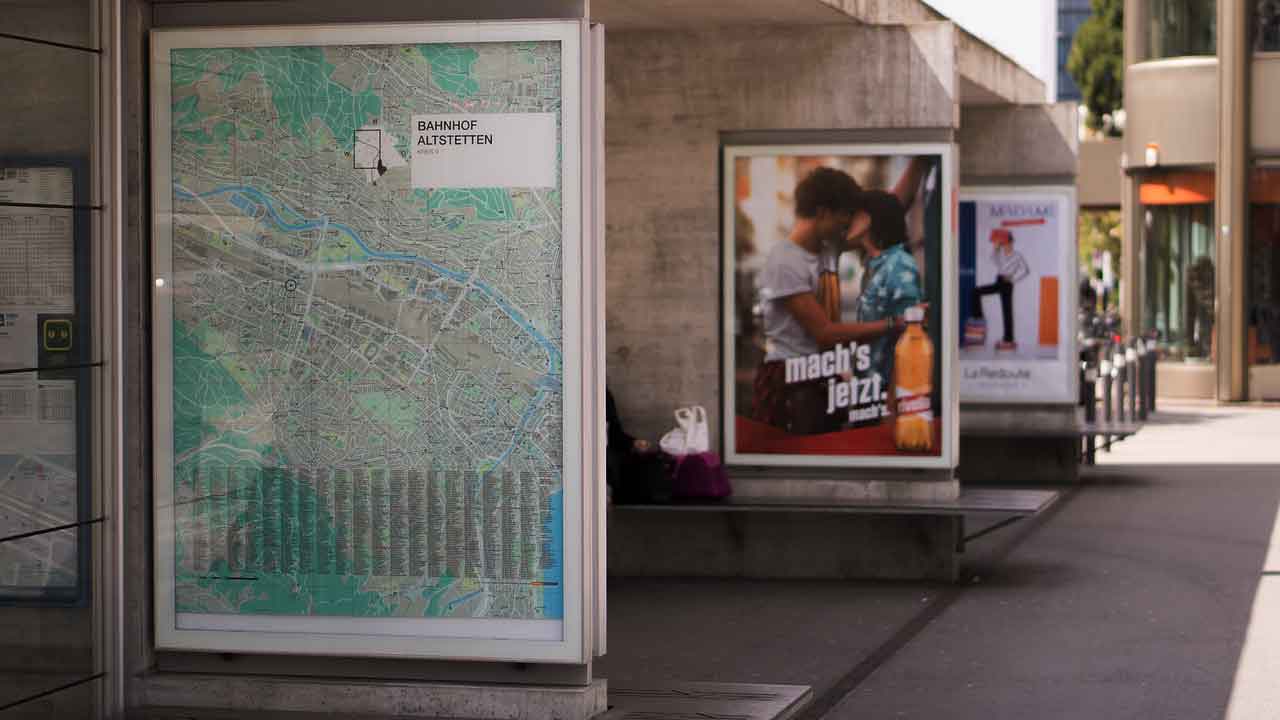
pixel 1202 433
pixel 1131 599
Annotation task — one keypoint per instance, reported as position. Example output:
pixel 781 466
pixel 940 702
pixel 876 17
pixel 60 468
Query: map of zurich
pixel 367 375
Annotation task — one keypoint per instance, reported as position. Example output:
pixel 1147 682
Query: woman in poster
pixel 892 282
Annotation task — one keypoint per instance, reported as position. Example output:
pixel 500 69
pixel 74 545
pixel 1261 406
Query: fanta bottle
pixel 913 386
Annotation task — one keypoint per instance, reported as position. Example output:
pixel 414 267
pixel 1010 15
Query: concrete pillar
pixel 1135 31
pixel 1232 212
pixel 1020 145
pixel 1132 258
pixel 669 96
pixel 1135 49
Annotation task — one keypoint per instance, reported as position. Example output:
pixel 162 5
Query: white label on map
pixel 484 151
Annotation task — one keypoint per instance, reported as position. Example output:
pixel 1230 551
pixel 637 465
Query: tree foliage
pixel 1100 231
pixel 1096 62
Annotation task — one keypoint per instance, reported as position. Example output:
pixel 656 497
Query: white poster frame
pixel 948 414
pixel 567 641
pixel 1067 300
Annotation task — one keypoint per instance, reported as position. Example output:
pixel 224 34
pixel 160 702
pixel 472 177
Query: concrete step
pixel 681 701
pixel 698 700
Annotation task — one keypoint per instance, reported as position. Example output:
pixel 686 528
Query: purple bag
pixel 700 476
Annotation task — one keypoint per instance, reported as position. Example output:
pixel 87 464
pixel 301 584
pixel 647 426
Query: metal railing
pixel 1117 392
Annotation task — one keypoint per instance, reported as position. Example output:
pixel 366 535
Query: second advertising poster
pixel 837 343
pixel 1017 277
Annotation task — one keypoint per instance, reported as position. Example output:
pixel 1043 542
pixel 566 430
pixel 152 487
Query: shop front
pixel 1178 279
pixel 1263 311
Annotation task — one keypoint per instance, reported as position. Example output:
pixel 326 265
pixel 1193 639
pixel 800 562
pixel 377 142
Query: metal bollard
pixel 1104 371
pixel 1118 368
pixel 1143 379
pixel 1131 394
pixel 1090 414
pixel 1152 374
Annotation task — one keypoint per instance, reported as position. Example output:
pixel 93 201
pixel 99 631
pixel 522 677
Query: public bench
pixel 790 536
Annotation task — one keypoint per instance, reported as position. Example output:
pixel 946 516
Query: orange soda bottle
pixel 913 386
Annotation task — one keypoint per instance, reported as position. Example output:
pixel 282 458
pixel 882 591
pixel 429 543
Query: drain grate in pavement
pixel 708 701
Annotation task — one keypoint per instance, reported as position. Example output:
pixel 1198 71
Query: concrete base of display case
pixel 247 696
pixel 797 523
pixel 1019 444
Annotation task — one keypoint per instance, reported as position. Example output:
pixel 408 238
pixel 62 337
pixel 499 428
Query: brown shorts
pixel 799 408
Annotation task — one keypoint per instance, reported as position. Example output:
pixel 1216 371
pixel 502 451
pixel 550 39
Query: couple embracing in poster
pixel 829 354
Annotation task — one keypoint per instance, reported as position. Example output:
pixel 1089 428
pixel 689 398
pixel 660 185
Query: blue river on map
pixel 269 203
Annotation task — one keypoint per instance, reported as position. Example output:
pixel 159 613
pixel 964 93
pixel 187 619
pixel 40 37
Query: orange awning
pixel 1177 188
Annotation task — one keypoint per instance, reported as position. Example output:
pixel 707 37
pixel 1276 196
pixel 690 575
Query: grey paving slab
pixel 1131 601
pixel 785 632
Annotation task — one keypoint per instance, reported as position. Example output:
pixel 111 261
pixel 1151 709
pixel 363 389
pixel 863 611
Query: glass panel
pixel 48 639
pixel 61 21
pixel 1182 27
pixel 48 100
pixel 46 621
pixel 1180 285
pixel 1264 279
pixel 1266 26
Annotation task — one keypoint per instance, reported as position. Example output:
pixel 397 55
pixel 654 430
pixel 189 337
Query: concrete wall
pixel 669 94
pixel 282 12
pixel 1188 381
pixel 1019 142
pixel 1099 183
pixel 1265 101
pixel 47 91
pixel 1173 103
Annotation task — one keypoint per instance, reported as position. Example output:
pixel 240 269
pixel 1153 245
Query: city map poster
pixel 368 347
pixel 1017 250
pixel 835 270
pixel 44 390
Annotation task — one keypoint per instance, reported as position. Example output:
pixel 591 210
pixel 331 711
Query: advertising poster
pixel 1017 290
pixel 836 330
pixel 371 363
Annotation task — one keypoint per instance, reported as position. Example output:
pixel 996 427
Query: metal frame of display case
pixel 1068 292
pixel 811 145
pixel 420 638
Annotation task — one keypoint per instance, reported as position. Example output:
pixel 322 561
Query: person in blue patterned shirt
pixel 892 281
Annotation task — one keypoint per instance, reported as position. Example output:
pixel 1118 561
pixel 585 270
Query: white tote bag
pixel 690 435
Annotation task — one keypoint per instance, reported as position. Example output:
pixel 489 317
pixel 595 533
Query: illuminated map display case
pixel 374 347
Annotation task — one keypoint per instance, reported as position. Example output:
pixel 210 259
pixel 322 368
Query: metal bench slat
pixel 1009 501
